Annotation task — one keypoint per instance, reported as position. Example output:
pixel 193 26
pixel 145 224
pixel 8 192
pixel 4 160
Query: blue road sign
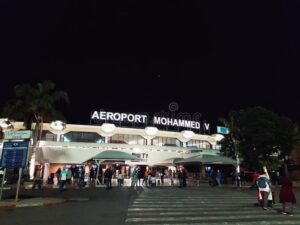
pixel 222 130
pixel 14 154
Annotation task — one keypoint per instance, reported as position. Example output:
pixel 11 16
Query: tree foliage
pixel 35 103
pixel 259 136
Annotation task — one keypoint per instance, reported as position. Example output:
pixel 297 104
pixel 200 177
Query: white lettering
pixel 102 115
pixel 170 122
pixel 130 117
pixel 164 121
pixel 117 116
pixel 187 123
pixel 123 116
pixel 156 120
pixel 144 117
pixel 95 115
pixel 181 123
pixel 109 116
pixel 175 123
pixel 206 126
pixel 137 118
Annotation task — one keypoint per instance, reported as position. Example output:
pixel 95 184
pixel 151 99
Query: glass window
pixel 166 141
pixel 48 136
pixel 198 144
pixel 127 139
pixel 74 136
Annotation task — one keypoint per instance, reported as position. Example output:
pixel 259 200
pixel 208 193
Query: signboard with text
pixel 144 120
pixel 222 130
pixel 17 135
pixel 14 154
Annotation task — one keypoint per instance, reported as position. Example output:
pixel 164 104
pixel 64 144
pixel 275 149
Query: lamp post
pixel 58 126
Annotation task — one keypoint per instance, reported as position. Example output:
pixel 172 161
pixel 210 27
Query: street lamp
pixel 58 125
pixel 5 124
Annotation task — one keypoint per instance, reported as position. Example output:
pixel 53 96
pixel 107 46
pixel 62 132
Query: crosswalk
pixel 202 205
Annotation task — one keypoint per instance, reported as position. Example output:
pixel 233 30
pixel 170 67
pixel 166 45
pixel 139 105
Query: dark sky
pixel 138 56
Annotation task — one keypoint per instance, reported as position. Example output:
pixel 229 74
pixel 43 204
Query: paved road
pixel 103 207
pixel 203 206
pixel 166 205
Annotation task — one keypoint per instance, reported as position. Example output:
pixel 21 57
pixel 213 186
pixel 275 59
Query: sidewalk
pixel 30 202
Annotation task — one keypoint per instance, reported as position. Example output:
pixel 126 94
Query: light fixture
pixel 58 125
pixel 5 123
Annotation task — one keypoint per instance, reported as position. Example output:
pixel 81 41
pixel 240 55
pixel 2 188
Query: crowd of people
pixel 76 176
pixel 266 194
pixel 86 174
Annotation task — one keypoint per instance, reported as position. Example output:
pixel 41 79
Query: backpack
pixel 262 182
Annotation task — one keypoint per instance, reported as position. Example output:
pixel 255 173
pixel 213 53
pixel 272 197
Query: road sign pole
pixel 2 183
pixel 19 182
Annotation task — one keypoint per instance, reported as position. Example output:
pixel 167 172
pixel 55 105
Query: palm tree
pixel 35 104
pixel 232 140
pixel 1 133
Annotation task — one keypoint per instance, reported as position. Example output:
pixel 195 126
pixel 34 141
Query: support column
pixel 32 165
pixel 58 137
pixel 46 172
pixel 148 141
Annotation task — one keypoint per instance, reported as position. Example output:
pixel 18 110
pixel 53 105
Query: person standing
pixel 69 176
pixel 120 179
pixel 263 188
pixel 134 178
pixel 108 176
pixel 184 177
pixel 218 178
pixel 81 177
pixel 180 177
pixel 37 178
pixel 255 175
pixel 63 178
pixel 287 196
pixel 145 180
pixel 162 175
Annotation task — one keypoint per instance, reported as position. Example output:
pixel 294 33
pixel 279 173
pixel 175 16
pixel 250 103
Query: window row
pixel 92 137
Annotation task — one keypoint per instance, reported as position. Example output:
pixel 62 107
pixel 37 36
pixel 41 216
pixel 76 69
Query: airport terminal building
pixel 71 144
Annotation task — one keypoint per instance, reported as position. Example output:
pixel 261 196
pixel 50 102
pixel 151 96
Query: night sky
pixel 138 56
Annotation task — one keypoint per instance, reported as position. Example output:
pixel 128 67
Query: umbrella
pixel 169 161
pixel 115 155
pixel 209 159
pixel 111 155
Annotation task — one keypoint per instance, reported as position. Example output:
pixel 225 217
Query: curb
pixel 54 203
pixel 47 202
pixel 7 207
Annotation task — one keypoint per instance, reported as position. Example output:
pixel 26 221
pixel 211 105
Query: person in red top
pixel 286 195
pixel 255 175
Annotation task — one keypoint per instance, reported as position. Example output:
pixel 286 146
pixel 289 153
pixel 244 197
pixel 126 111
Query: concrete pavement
pixel 40 198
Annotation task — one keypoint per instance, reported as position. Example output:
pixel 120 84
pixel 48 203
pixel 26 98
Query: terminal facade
pixel 73 144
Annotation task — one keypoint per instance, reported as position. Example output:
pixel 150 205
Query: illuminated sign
pixel 143 119
pixel 119 117
pixel 176 122
pixel 23 134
